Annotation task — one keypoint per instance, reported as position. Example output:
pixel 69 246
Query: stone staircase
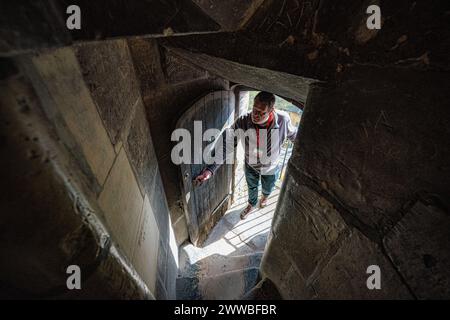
pixel 227 266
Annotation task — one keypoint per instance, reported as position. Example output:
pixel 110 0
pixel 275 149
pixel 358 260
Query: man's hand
pixel 202 177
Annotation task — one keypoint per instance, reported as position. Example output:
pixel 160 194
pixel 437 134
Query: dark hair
pixel 266 97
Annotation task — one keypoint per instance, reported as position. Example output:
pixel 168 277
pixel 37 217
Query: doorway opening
pixel 226 266
pixel 258 222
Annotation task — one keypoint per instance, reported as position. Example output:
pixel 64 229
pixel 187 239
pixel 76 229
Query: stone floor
pixel 227 265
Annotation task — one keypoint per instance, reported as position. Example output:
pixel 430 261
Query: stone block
pixel 121 202
pixel 278 267
pixel 264 290
pixel 172 272
pixel 147 62
pixel 419 247
pixel 119 19
pixel 306 226
pixel 217 264
pixel 139 146
pixel 231 15
pixel 162 260
pixel 158 202
pixel 60 73
pixel 161 293
pixel 229 286
pixel 31 25
pixel 180 230
pixel 178 70
pixel 345 277
pixel 361 145
pixel 145 257
pixel 109 74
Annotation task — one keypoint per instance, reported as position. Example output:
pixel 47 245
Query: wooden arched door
pixel 204 205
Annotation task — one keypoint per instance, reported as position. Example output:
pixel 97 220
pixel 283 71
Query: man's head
pixel 262 107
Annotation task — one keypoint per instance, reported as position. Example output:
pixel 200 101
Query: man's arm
pixel 291 130
pixel 228 148
pixel 210 169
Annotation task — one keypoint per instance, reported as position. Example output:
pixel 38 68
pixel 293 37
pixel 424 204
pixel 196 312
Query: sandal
pixel 246 211
pixel 263 201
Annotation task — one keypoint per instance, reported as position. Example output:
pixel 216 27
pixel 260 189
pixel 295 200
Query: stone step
pixel 221 264
pixel 230 285
pixel 216 263
pixel 263 290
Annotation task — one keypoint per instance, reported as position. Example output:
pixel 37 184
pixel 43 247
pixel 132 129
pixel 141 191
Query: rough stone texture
pixel 121 194
pixel 108 68
pixel 283 84
pixel 231 15
pixel 109 74
pixel 178 70
pixel 345 277
pixel 116 282
pixel 230 285
pixel 367 159
pixel 180 229
pixel 161 293
pixel 418 245
pixel 367 151
pixel 147 61
pixel 139 146
pixel 75 106
pixel 25 25
pixel 313 219
pixel 106 19
pixel 37 167
pixel 159 204
pixel 279 268
pixel 145 255
pixel 264 290
pixel 162 262
pixel 321 39
pixel 171 272
pixel 128 124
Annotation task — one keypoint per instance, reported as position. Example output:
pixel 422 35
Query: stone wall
pixel 109 72
pixel 50 217
pixel 366 186
pixel 92 99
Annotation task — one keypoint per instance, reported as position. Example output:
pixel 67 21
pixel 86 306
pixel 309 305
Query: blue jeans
pixel 252 176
